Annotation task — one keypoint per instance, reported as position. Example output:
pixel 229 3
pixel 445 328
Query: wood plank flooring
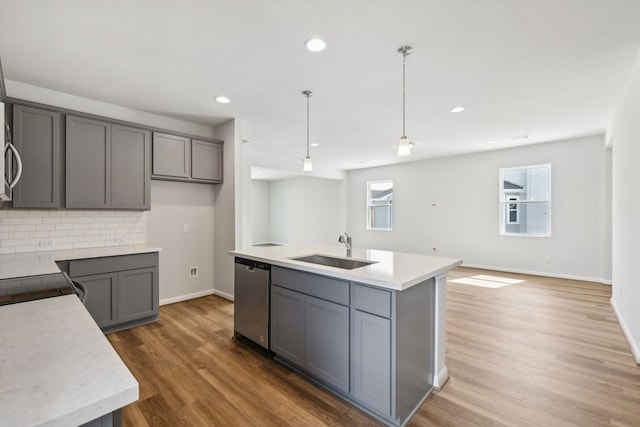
pixel 540 352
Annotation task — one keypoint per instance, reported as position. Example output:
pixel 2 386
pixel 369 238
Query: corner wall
pixel 452 205
pixel 625 137
pixel 228 201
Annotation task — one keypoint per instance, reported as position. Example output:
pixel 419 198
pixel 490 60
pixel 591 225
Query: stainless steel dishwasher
pixel 251 301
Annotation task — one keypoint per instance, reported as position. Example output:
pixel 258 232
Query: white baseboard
pixel 186 297
pixel 440 378
pixel 635 351
pixel 539 273
pixel 223 295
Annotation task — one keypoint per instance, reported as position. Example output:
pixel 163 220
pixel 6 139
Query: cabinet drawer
pixel 84 267
pixel 311 284
pixel 372 300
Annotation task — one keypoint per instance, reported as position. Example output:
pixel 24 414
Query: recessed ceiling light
pixel 375 161
pixel 493 142
pixel 315 45
pixel 315 144
pixel 223 100
pixel 457 109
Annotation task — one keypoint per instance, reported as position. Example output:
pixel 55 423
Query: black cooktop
pixel 22 289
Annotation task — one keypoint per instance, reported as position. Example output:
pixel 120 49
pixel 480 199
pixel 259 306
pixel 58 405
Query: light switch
pixel 185 228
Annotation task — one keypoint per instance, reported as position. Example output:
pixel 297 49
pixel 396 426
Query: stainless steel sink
pixel 347 264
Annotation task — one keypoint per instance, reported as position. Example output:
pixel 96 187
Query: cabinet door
pixel 102 297
pixel 206 160
pixel 88 169
pixel 326 334
pixel 37 137
pixel 130 174
pixel 372 361
pixel 137 294
pixel 287 324
pixel 171 155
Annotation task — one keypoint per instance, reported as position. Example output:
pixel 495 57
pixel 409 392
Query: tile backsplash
pixel 46 230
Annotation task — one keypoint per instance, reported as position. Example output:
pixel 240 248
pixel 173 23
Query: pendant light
pixel 404 147
pixel 307 167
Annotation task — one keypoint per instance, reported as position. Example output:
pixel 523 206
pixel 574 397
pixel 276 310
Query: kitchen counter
pixel 391 270
pixel 36 263
pixel 56 366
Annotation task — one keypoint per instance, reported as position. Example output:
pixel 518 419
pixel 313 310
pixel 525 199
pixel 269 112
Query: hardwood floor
pixel 539 352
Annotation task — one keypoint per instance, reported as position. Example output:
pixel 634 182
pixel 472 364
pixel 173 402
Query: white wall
pixel 451 204
pixel 260 211
pixel 625 136
pixel 175 205
pixel 307 210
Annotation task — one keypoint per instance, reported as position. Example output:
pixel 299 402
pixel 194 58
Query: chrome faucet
pixel 346 239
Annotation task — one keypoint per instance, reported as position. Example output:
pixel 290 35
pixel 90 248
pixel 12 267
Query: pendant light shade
pixel 404 147
pixel 307 166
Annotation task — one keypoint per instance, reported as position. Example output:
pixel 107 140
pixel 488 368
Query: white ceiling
pixel 550 69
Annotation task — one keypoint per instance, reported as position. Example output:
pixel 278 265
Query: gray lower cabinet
pixel 107 165
pixel 310 324
pixel 37 135
pixel 287 324
pixel 102 297
pixel 326 341
pixel 178 158
pixel 372 346
pixel 122 291
pixel 372 361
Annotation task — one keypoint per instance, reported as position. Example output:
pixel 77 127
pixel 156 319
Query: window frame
pixel 370 206
pixel 503 202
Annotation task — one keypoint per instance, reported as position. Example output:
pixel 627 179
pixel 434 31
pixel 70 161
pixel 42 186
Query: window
pixel 379 205
pixel 525 201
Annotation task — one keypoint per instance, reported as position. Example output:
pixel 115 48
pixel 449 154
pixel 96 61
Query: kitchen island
pixel 372 333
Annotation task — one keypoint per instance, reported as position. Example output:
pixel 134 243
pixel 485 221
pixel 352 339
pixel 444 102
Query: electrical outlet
pixel 46 244
pixel 193 272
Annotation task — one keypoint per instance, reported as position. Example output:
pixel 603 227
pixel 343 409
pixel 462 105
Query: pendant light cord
pixel 404 57
pixel 308 95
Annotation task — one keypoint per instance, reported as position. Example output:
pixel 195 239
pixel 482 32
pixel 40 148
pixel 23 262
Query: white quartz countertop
pixel 36 263
pixel 391 270
pixel 56 366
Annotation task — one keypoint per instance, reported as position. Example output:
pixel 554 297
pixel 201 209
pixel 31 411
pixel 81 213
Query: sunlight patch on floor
pixel 487 281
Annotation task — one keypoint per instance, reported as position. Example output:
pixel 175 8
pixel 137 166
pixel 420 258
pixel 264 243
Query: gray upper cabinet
pixel 38 138
pixel 130 162
pixel 88 163
pixel 206 163
pixel 178 158
pixel 171 156
pixel 107 165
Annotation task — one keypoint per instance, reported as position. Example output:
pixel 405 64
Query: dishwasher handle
pixel 252 265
